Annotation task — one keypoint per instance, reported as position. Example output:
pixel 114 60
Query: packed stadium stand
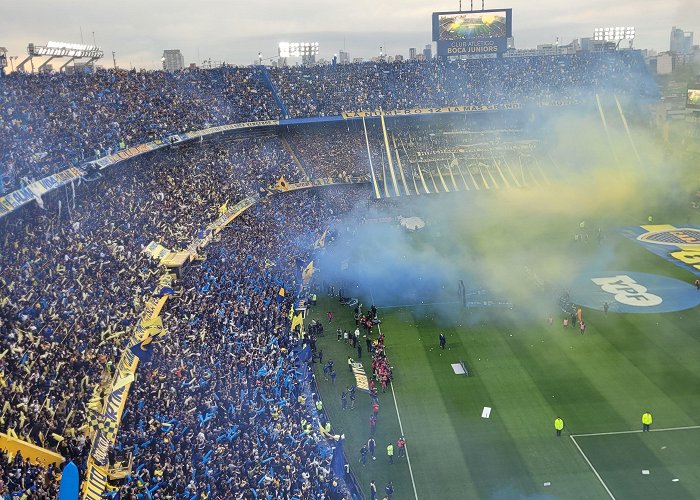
pixel 221 407
pixel 331 90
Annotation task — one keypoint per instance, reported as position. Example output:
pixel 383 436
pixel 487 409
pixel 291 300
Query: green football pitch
pixel 528 372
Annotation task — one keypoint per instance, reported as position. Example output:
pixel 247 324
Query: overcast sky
pixel 234 31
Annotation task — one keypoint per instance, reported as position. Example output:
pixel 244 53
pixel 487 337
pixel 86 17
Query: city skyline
pixel 235 32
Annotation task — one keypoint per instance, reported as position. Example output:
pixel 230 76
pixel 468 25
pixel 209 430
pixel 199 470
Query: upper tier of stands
pixel 331 90
pixel 48 122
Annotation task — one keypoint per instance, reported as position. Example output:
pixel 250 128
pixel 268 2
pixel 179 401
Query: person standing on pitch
pixel 390 453
pixel 401 445
pixel 389 490
pixel 443 340
pixel 371 444
pixel 558 425
pixel 372 490
pixel 647 419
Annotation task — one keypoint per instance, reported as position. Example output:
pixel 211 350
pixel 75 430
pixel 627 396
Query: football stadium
pixel 468 276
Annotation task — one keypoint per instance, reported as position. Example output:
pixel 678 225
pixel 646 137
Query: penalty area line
pixel 592 468
pixel 686 428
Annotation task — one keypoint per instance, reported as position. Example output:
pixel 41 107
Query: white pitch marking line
pixel 638 430
pixel 592 468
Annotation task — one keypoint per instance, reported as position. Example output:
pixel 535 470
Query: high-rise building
pixel 428 52
pixel 3 63
pixel 412 53
pixel 173 60
pixel 681 41
pixel 343 57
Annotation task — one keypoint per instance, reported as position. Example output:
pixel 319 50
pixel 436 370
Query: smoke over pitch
pixel 511 241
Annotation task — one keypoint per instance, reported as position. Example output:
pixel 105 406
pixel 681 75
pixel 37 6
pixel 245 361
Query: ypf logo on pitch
pixel 627 291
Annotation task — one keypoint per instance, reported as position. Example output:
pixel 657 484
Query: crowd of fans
pixel 337 150
pixel 229 385
pixel 333 89
pixel 74 279
pixel 51 121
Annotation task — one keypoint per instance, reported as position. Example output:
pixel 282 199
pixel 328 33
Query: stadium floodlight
pixel 614 34
pixel 52 50
pixel 297 49
pixel 61 49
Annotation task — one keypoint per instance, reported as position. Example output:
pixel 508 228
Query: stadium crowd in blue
pixel 74 277
pixel 48 122
pixel 332 89
pixel 193 426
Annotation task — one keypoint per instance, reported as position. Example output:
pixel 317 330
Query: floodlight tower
pixel 306 50
pixel 615 34
pixel 53 50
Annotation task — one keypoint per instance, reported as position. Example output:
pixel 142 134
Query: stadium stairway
pixel 265 79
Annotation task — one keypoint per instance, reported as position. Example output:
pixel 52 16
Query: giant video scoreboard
pixel 472 33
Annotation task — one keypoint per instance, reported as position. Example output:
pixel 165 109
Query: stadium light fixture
pixel 297 49
pixel 614 34
pixel 62 49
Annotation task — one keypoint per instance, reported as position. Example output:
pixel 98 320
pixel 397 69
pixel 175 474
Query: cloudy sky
pixel 234 31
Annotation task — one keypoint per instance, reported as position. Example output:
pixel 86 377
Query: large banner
pixel 280 187
pixel 106 425
pixel 471 108
pixel 205 236
pixel 14 200
pixel 127 153
pixel 56 180
pixel 224 128
pixel 156 250
pixel 24 195
pixel 430 111
pixel 679 245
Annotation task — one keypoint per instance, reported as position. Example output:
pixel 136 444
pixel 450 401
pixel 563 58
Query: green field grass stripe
pixel 592 468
